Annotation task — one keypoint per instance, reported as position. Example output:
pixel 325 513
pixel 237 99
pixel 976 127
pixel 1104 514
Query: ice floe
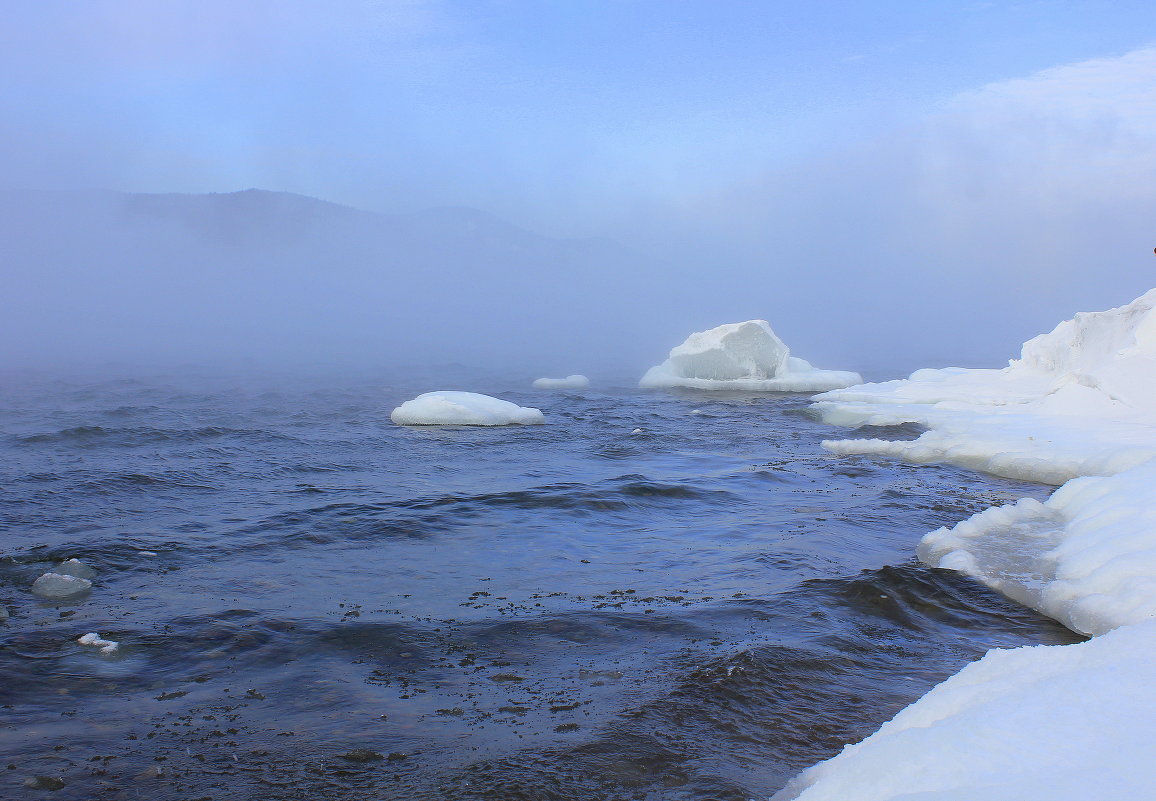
pixel 742 356
pixel 445 408
pixel 55 586
pixel 569 382
pixel 1078 408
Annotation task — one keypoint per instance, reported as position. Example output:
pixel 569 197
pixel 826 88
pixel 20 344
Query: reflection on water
pixel 314 603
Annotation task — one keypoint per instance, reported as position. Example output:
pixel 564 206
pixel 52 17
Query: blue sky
pixel 551 113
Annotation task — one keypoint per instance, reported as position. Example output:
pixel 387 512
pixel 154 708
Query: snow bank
pixel 1087 556
pixel 569 382
pixel 463 409
pixel 1078 408
pixel 744 356
pixel 1065 723
pixel 1080 402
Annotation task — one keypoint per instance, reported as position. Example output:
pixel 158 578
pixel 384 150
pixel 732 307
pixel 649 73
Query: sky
pixel 972 170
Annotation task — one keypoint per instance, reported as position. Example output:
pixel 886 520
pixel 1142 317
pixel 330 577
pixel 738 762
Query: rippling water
pixel 313 603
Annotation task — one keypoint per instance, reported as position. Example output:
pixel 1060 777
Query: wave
pixel 133 437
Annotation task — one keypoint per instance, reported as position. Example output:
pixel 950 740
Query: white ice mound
pixel 569 382
pixel 745 356
pixel 56 586
pixel 463 409
pixel 1059 722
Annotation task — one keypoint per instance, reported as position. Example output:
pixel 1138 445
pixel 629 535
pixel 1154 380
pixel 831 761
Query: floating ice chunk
pixel 463 409
pixel 56 586
pixel 74 567
pixel 569 382
pixel 96 641
pixel 742 356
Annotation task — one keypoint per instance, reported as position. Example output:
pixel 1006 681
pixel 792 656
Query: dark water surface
pixel 340 608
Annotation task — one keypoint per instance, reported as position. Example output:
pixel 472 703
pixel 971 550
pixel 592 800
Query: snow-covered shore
pixel 1078 409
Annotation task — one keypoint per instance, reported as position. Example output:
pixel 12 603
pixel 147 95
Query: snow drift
pixel 742 356
pixel 463 409
pixel 569 382
pixel 1078 408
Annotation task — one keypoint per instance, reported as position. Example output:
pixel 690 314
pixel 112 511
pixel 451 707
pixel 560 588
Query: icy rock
pixel 44 783
pixel 445 408
pixel 74 567
pixel 743 356
pixel 569 382
pixel 56 586
pixel 96 641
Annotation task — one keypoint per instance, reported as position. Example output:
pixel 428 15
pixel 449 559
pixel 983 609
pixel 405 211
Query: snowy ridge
pixel 1058 722
pixel 742 356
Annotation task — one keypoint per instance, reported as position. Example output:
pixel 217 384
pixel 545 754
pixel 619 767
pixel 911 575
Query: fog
pixel 565 190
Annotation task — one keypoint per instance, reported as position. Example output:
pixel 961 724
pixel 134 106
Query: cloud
pixel 956 238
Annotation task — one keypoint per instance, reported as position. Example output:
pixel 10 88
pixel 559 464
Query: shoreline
pixel 1078 410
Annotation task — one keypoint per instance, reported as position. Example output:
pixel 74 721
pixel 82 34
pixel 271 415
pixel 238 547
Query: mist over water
pixel 311 600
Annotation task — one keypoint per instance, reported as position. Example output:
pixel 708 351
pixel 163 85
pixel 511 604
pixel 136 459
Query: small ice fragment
pixel 74 567
pixel 44 782
pixel 696 411
pixel 636 431
pixel 56 586
pixel 569 382
pixel 147 553
pixel 95 640
pixel 3 613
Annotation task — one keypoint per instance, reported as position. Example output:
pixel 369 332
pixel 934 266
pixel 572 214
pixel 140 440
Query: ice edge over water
pixel 1078 409
pixel 569 382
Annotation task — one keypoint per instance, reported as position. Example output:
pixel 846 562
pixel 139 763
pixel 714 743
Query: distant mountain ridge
pixel 275 272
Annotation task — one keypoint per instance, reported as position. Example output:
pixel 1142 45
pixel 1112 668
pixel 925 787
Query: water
pixel 340 608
